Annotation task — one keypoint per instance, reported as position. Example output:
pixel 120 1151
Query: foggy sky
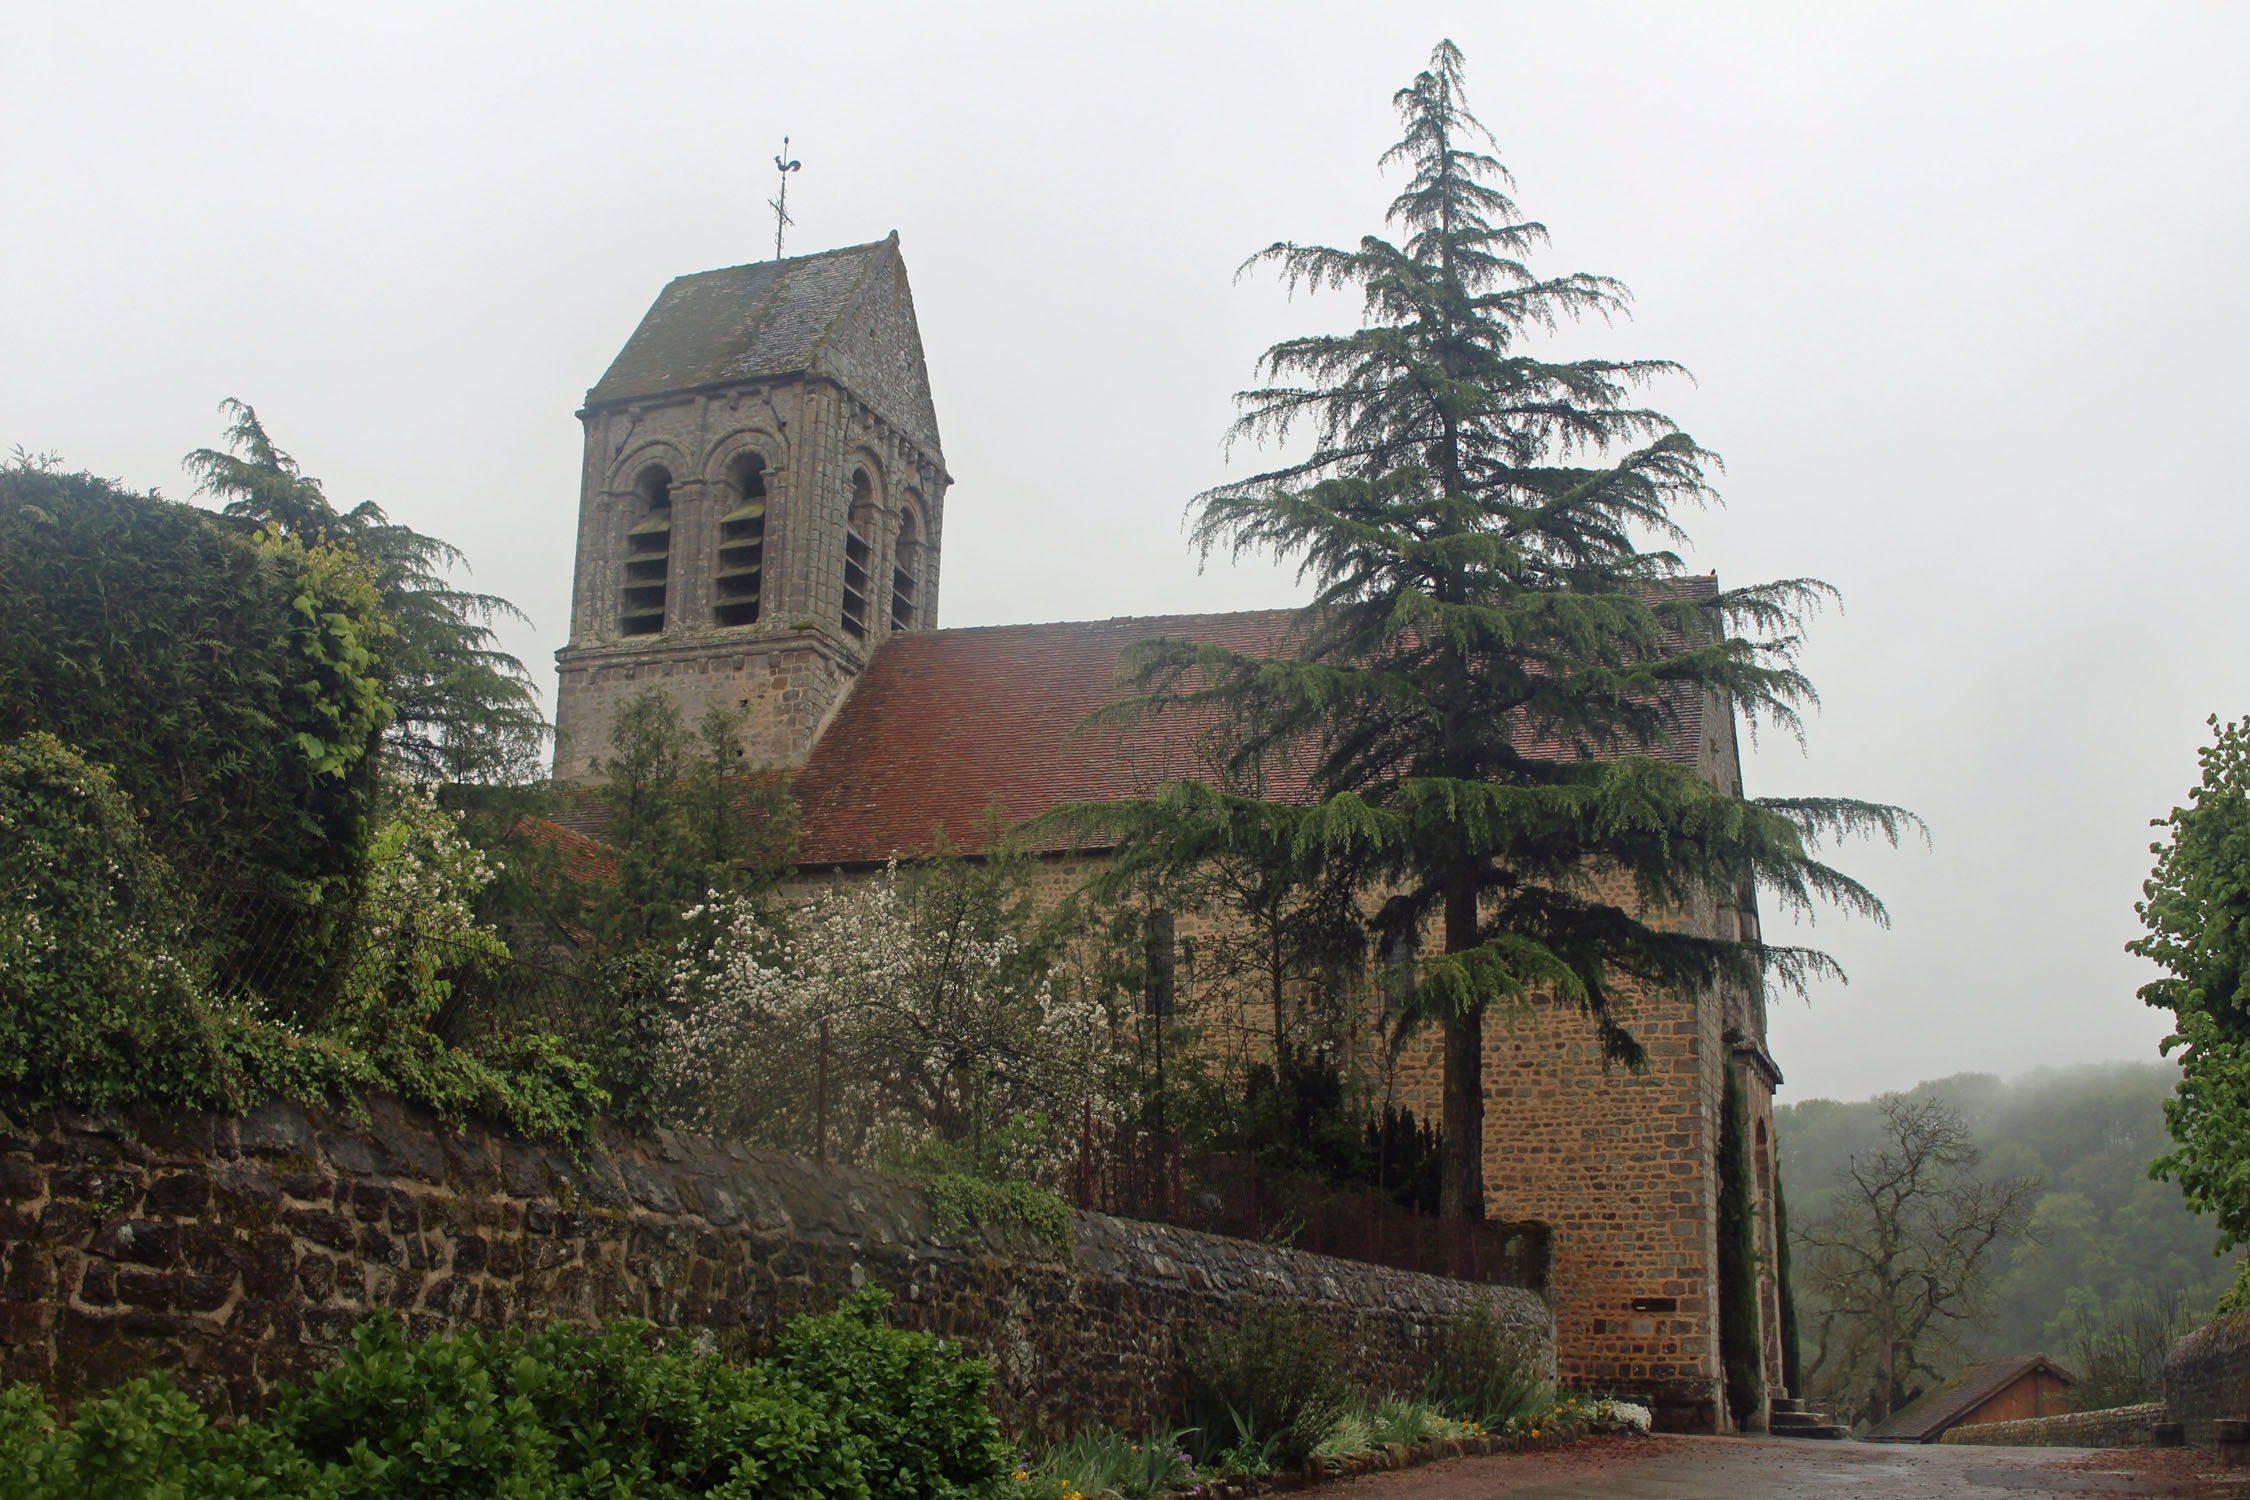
pixel 1960 285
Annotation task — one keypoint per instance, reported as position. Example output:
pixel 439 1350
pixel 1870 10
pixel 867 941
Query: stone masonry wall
pixel 240 1252
pixel 789 671
pixel 2207 1376
pixel 1619 1164
pixel 2118 1427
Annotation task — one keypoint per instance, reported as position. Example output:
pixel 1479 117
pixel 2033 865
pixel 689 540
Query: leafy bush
pixel 1484 1372
pixel 960 1200
pixel 105 999
pixel 918 1405
pixel 987 1183
pixel 225 682
pixel 541 1416
pixel 1276 1381
pixel 97 1003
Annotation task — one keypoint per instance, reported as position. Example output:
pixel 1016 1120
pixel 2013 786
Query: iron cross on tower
pixel 780 205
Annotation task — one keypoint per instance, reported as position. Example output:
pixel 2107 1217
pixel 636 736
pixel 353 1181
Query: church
pixel 761 523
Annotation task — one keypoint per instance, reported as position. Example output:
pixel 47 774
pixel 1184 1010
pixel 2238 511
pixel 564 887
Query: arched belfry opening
pixel 906 568
pixel 859 553
pixel 737 579
pixel 648 554
pixel 744 538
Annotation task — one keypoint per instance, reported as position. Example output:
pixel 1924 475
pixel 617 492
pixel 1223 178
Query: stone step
pixel 1804 1424
pixel 1786 1403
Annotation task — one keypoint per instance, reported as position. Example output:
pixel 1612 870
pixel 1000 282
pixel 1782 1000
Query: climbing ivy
pixel 1739 1354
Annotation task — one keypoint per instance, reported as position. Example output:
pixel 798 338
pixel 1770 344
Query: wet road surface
pixel 1767 1469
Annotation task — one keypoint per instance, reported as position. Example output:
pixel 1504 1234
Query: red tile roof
pixel 581 858
pixel 945 725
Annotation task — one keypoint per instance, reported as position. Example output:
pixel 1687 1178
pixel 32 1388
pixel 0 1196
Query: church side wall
pixel 1622 1165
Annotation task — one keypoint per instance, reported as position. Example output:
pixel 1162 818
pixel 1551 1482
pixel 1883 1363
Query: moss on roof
pixel 741 323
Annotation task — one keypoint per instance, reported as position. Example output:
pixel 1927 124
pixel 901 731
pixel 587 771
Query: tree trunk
pixel 1461 1193
pixel 1461 1190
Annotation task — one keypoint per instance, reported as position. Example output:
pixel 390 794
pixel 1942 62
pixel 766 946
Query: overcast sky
pixel 1962 288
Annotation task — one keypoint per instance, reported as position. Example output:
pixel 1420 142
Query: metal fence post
pixel 1086 1154
pixel 820 1098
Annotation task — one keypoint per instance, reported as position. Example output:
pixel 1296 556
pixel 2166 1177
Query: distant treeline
pixel 2104 1237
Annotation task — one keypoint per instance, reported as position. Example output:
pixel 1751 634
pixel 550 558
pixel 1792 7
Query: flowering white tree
pixel 944 1017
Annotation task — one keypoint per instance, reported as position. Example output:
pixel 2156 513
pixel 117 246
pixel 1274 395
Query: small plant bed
pixel 1368 1438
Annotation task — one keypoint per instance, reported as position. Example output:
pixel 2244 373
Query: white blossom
pixel 934 1026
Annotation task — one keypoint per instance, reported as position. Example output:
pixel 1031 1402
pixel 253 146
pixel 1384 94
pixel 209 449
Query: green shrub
pixel 97 1002
pixel 105 997
pixel 1484 1371
pixel 852 1410
pixel 226 684
pixel 1087 1463
pixel 1276 1382
pixel 918 1405
pixel 1369 1424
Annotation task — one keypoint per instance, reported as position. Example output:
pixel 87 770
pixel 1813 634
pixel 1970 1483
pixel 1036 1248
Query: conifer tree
pixel 466 711
pixel 1466 723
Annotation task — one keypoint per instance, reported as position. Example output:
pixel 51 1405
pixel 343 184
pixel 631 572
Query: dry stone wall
pixel 237 1252
pixel 2118 1427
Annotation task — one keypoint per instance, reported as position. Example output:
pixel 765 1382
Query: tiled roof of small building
pixel 740 323
pixel 1927 1417
pixel 945 725
pixel 579 858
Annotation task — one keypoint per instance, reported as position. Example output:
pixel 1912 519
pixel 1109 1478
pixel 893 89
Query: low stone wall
pixel 240 1252
pixel 2207 1377
pixel 2118 1427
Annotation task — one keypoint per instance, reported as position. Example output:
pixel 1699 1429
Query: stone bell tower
pixel 762 502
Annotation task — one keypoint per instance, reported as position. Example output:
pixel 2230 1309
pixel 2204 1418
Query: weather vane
pixel 780 205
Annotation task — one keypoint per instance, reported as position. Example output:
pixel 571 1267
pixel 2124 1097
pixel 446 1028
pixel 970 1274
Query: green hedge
pixel 166 643
pixel 846 1409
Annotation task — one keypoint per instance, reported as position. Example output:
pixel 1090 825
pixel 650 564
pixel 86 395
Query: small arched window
pixel 648 555
pixel 906 572
pixel 742 546
pixel 859 553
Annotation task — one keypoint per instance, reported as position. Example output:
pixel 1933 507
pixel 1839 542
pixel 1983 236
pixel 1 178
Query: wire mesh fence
pixel 311 960
pixel 1146 1174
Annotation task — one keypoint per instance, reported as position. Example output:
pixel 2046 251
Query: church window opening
pixel 859 554
pixel 648 555
pixel 906 573
pixel 742 546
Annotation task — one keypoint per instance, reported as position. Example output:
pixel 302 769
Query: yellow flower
pixel 1534 1433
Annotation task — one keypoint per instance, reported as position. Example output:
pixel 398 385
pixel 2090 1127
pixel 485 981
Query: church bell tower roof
pixel 760 321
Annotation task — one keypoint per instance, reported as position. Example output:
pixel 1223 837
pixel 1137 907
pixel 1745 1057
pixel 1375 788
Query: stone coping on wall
pixel 238 1252
pixel 2116 1427
pixel 2207 1377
